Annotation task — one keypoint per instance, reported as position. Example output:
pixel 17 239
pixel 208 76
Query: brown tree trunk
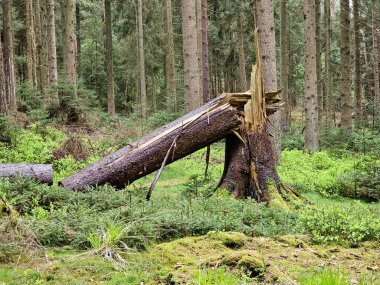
pixel 142 62
pixel 286 111
pixel 190 65
pixel 109 59
pixel 345 87
pixel 52 50
pixel 358 83
pixel 78 36
pixel 69 44
pixel 3 97
pixel 9 67
pixel 318 58
pixel 199 47
pixel 170 78
pixel 43 52
pixel 31 58
pixel 311 105
pixel 328 95
pixel 267 45
pixel 42 173
pixel 242 57
pixel 205 58
pixel 375 56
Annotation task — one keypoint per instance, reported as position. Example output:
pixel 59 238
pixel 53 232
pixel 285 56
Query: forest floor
pixel 188 233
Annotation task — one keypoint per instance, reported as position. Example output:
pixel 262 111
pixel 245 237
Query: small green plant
pixel 109 236
pixel 327 276
pixel 217 276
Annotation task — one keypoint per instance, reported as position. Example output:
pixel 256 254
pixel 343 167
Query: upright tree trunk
pixel 267 44
pixel 31 58
pixel 286 111
pixel 345 87
pixel 52 50
pixel 199 47
pixel 358 84
pixel 328 95
pixel 43 51
pixel 190 65
pixel 205 59
pixel 69 44
pixel 170 78
pixel 142 61
pixel 375 54
pixel 10 78
pixel 109 59
pixel 318 58
pixel 3 97
pixel 311 105
pixel 242 57
pixel 77 33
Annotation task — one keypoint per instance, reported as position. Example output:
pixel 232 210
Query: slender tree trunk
pixel 10 78
pixel 69 44
pixel 191 69
pixel 31 58
pixel 366 76
pixel 242 57
pixel 311 110
pixel 142 62
pixel 375 55
pixel 199 47
pixel 328 95
pixel 358 84
pixel 286 111
pixel 109 59
pixel 205 58
pixel 171 89
pixel 345 87
pixel 3 97
pixel 78 35
pixel 52 50
pixel 267 43
pixel 318 58
pixel 43 52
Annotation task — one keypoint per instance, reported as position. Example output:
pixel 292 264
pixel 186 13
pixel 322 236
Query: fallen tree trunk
pixel 42 173
pixel 182 137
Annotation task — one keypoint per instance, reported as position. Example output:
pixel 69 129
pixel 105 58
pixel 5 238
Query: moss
pixel 277 200
pixel 251 266
pixel 229 239
pixel 294 241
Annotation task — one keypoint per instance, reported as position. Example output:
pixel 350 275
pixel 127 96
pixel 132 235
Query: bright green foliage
pixel 109 236
pixel 217 276
pixel 342 224
pixel 319 172
pixel 327 276
pixel 68 165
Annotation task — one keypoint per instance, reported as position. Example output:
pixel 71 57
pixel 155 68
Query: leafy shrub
pixel 344 225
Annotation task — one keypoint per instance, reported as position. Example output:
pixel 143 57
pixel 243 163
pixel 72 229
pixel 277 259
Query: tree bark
pixel 286 111
pixel 375 56
pixel 31 58
pixel 199 47
pixel 43 51
pixel 69 44
pixel 318 58
pixel 78 36
pixel 311 106
pixel 142 62
pixel 358 74
pixel 170 78
pixel 52 51
pixel 328 95
pixel 109 59
pixel 345 66
pixel 194 131
pixel 205 58
pixel 267 45
pixel 3 97
pixel 10 77
pixel 190 65
pixel 242 57
pixel 42 173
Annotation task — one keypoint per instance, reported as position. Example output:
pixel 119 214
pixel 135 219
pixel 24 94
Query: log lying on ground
pixel 42 173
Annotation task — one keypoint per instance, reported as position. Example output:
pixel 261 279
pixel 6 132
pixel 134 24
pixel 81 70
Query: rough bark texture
pixel 142 62
pixel 40 172
pixel 205 58
pixel 199 47
pixel 109 59
pixel 328 96
pixel 311 105
pixel 345 66
pixel 267 44
pixel 375 52
pixel 193 131
pixel 31 57
pixel 318 56
pixel 286 111
pixel 10 77
pixel 358 82
pixel 43 52
pixel 170 78
pixel 3 97
pixel 52 50
pixel 78 36
pixel 242 57
pixel 69 43
pixel 190 64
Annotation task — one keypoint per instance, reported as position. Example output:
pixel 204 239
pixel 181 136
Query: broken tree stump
pixel 42 173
